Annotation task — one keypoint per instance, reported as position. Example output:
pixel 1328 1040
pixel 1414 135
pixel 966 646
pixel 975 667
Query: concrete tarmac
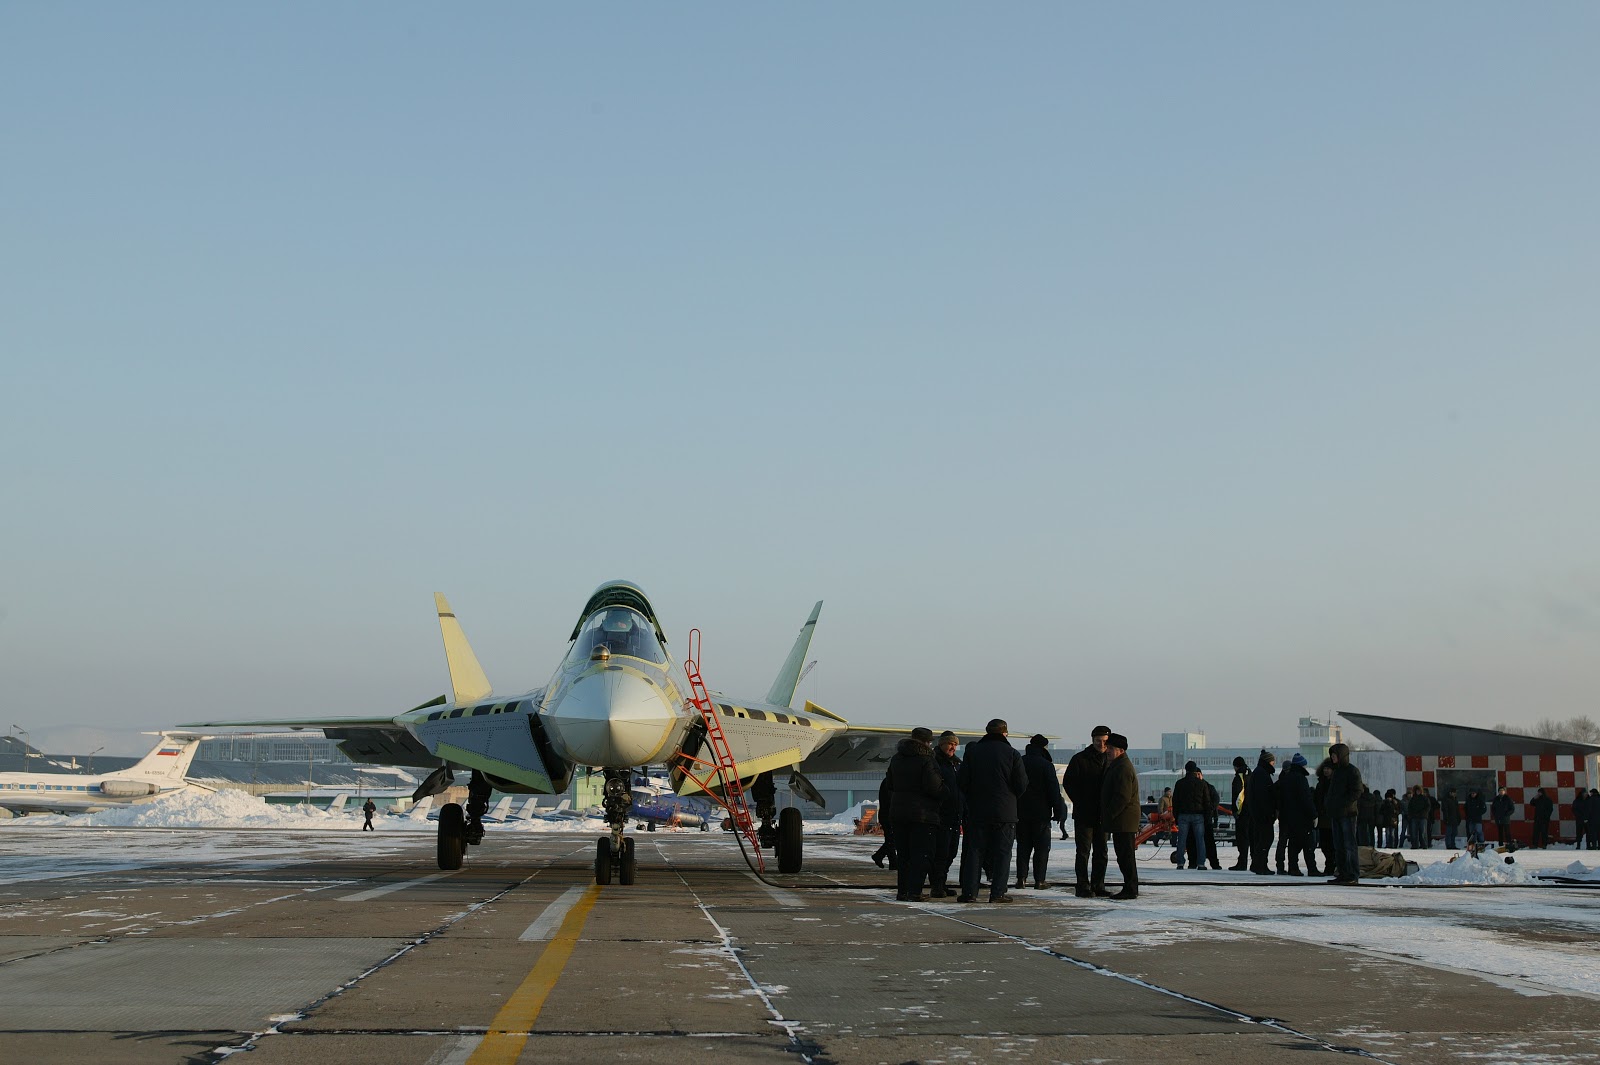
pixel 153 945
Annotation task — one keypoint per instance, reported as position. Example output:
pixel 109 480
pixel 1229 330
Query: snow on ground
pixel 236 809
pixel 1492 920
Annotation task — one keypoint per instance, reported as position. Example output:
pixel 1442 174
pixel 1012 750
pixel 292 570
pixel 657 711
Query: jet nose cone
pixel 612 718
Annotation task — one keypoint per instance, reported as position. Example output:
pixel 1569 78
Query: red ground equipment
pixel 731 797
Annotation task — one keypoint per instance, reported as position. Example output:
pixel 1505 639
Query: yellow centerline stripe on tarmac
pixel 508 1032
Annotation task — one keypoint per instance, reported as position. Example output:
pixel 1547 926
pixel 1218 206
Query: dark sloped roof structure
pixel 1409 736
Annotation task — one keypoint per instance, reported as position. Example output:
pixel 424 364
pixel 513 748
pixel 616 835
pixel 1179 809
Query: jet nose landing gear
pixel 613 863
pixel 613 854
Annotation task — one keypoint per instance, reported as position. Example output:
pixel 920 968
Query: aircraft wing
pixel 861 748
pixel 374 740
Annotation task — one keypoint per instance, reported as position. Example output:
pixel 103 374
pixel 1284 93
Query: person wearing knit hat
pixel 1081 782
pixel 1037 807
pixel 1297 817
pixel 1241 827
pixel 917 788
pixel 1262 807
pixel 1120 812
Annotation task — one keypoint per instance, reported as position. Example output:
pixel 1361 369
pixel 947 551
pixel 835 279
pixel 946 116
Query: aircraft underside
pixel 462 827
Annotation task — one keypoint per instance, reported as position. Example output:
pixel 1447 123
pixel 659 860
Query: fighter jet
pixel 617 704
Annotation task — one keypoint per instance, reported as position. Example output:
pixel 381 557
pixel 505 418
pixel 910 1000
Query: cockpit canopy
pixel 620 630
pixel 618 593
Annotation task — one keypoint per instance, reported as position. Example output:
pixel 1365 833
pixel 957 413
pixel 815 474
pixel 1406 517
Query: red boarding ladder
pixel 732 798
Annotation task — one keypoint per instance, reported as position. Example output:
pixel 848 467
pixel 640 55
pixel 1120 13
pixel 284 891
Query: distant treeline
pixel 1580 729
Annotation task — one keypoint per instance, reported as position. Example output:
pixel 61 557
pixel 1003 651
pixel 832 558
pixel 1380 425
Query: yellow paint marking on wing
pixel 508 1032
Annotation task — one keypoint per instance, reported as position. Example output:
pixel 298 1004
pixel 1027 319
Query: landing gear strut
pixel 785 838
pixel 460 829
pixel 613 854
pixel 478 789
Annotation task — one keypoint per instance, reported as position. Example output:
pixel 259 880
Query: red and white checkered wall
pixel 1522 775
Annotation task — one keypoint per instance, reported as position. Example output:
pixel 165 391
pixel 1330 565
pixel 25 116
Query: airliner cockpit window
pixel 623 632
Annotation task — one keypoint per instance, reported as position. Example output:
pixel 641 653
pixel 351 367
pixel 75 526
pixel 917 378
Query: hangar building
pixel 1440 756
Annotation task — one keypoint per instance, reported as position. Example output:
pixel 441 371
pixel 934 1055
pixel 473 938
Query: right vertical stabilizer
pixel 782 693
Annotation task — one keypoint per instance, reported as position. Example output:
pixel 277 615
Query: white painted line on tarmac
pixel 548 921
pixel 787 899
pixel 372 893
pixel 457 1051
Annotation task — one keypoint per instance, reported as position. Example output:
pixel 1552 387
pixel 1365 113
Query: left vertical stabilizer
pixel 782 693
pixel 466 676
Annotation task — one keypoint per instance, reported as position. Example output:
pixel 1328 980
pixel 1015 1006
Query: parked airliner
pixel 161 772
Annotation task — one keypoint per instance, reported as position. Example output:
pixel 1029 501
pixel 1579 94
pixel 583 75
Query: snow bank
pixel 1486 869
pixel 202 809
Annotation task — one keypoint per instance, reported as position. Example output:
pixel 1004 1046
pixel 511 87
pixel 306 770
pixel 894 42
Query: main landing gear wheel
pixel 452 835
pixel 625 868
pixel 790 841
pixel 602 861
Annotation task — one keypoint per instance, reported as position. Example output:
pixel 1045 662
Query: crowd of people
pixel 992 806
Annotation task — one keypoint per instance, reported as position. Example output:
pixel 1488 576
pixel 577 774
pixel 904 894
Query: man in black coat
pixel 1580 819
pixel 1450 810
pixel 948 838
pixel 1319 799
pixel 1594 818
pixel 916 788
pixel 1417 807
pixel 1119 812
pixel 885 822
pixel 1542 807
pixel 1261 807
pixel 1298 816
pixel 1367 817
pixel 1190 799
pixel 1477 809
pixel 1241 827
pixel 991 778
pixel 1339 805
pixel 1501 809
pixel 1082 783
pixel 1037 809
pixel 1212 801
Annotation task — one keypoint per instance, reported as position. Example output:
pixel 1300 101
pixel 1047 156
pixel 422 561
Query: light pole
pixel 92 753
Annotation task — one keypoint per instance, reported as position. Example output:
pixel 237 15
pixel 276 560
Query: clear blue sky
pixel 1169 367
